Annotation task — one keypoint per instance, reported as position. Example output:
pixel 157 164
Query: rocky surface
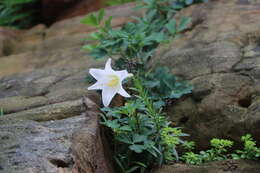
pixel 30 146
pixel 220 55
pixel 50 121
pixel 7 37
pixel 230 166
pixel 90 150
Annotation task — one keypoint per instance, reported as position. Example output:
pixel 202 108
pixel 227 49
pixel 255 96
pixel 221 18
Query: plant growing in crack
pixel 221 150
pixel 142 135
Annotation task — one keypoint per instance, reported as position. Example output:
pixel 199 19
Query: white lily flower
pixel 109 81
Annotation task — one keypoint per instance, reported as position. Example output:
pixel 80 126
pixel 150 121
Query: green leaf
pixel 98 53
pixel 139 138
pixel 159 104
pixel 126 128
pixel 178 6
pixel 151 84
pixel 90 20
pixel 95 36
pixel 132 169
pixel 113 124
pixel 101 15
pixel 141 164
pixel 89 47
pixel 120 164
pixel 184 23
pixel 124 139
pixel 188 2
pixel 171 26
pixel 175 153
pixel 108 22
pixel 137 148
pixel 158 37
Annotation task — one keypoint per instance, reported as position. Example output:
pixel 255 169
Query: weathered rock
pixel 28 146
pixel 220 55
pixel 63 40
pixel 44 97
pixel 7 39
pixel 88 148
pixel 230 166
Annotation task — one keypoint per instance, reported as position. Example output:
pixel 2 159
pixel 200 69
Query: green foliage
pixel 12 13
pixel 192 158
pixel 94 20
pixel 219 148
pixel 219 151
pixel 135 43
pixel 163 85
pixel 250 150
pixel 1 111
pixel 171 139
pixel 141 132
pixel 142 135
pixel 189 145
pixel 216 153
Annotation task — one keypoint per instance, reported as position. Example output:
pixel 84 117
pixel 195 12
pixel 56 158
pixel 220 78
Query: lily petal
pixel 123 74
pixel 97 86
pixel 122 92
pixel 108 67
pixel 96 73
pixel 107 95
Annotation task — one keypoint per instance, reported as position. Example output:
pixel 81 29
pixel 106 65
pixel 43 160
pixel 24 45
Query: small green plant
pixel 250 150
pixel 219 151
pixel 142 134
pixel 15 13
pixel 216 153
pixel 192 158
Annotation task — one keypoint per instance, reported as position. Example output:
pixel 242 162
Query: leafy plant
pixel 141 132
pixel 142 135
pixel 219 148
pixel 216 153
pixel 250 151
pixel 15 13
pixel 135 43
pixel 192 158
pixel 219 151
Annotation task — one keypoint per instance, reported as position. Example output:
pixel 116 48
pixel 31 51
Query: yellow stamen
pixel 114 80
